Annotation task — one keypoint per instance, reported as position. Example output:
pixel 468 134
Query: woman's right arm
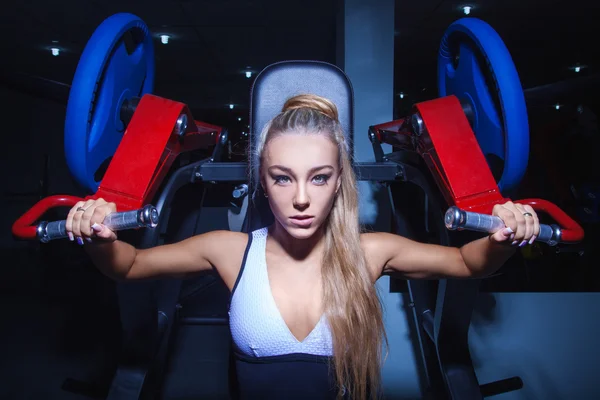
pixel 120 260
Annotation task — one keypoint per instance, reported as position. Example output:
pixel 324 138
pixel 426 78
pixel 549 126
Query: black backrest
pixel 271 89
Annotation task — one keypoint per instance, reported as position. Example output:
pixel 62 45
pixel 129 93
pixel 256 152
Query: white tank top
pixel 257 327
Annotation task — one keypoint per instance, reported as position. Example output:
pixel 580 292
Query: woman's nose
pixel 301 199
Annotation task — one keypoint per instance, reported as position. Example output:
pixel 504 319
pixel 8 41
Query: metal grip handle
pixel 457 219
pixel 145 217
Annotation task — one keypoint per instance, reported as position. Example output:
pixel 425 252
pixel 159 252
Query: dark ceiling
pixel 213 42
pixel 545 38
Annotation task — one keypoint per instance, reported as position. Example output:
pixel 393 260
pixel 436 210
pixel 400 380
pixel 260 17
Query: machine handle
pixel 44 231
pixel 23 227
pixel 571 231
pixel 456 218
pixel 145 217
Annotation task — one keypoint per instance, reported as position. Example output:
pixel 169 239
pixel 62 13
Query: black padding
pixel 272 88
pixel 282 379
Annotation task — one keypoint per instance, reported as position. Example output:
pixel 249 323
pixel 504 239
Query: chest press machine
pixel 444 147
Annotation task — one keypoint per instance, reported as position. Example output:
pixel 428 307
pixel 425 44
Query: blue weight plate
pixel 475 66
pixel 116 65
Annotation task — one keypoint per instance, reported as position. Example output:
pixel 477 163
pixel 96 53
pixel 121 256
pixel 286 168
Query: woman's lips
pixel 302 221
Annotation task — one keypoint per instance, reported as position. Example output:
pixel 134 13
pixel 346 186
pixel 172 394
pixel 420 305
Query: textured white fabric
pixel 257 327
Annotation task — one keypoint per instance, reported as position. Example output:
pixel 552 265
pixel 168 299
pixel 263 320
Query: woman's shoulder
pixel 368 240
pixel 223 234
pixel 231 243
pixel 227 250
pixel 227 242
pixel 375 257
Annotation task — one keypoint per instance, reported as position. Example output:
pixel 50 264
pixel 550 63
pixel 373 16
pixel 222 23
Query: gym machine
pixel 441 148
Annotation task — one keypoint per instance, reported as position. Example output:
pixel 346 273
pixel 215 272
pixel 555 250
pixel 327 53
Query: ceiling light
pixel 557 106
pixel 248 74
pixel 55 51
pixel 467 10
pixel 164 39
pixel 239 118
pixel 231 106
pixel 401 95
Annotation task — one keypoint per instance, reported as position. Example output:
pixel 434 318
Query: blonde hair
pixel 351 303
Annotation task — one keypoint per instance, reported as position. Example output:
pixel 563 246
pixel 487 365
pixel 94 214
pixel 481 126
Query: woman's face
pixel 301 175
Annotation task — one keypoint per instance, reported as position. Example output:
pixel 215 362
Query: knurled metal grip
pixel 145 217
pixel 457 219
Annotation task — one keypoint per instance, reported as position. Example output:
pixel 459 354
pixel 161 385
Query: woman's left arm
pixel 389 253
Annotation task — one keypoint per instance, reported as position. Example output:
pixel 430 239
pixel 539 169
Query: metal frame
pixel 440 134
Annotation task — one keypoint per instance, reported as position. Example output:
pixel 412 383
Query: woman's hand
pixel 522 224
pixel 85 221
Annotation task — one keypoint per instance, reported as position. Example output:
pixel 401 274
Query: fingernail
pixel 512 236
pixel 508 229
pixel 515 242
pixel 96 227
pixel 70 235
pixel 523 243
pixel 89 240
pixel 532 239
pixel 80 241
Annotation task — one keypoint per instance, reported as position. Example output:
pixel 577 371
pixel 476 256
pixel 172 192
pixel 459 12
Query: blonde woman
pixel 305 318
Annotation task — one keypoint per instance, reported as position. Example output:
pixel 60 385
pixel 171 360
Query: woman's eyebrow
pixel 289 171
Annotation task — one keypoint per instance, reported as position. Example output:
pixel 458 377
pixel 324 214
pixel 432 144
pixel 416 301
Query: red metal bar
pixel 395 133
pixel 395 125
pixel 148 149
pixel 450 150
pixel 23 227
pixel 149 146
pixel 209 130
pixel 572 232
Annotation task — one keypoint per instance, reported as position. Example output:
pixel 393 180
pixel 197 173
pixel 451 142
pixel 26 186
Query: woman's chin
pixel 301 232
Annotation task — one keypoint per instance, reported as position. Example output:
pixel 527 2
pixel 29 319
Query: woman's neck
pixel 298 249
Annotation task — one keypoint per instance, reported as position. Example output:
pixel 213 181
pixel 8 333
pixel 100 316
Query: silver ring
pixel 80 209
pixel 527 214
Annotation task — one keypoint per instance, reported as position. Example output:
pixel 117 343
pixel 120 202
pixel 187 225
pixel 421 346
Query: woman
pixel 310 276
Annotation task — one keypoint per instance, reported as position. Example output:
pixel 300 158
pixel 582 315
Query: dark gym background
pixel 59 314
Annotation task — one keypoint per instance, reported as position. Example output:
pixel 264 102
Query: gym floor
pixel 55 327
pixel 60 333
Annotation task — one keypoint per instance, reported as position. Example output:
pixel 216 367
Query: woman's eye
pixel 320 179
pixel 281 179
